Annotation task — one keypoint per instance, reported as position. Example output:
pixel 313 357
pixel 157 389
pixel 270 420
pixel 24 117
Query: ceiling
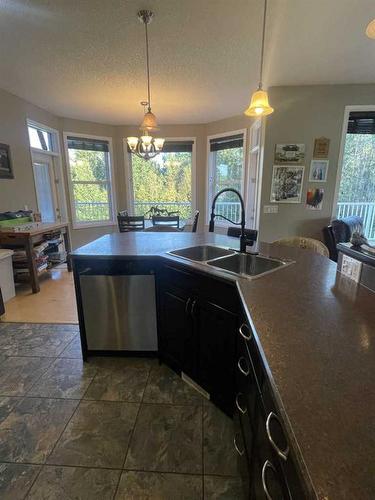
pixel 85 58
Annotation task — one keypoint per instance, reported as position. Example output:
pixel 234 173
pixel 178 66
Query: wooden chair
pixel 128 223
pixel 306 243
pixel 162 229
pixel 192 224
pixel 164 220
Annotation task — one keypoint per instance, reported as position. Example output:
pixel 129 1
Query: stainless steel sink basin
pixel 248 265
pixel 202 253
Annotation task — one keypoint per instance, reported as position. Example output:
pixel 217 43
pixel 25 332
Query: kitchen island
pixel 313 331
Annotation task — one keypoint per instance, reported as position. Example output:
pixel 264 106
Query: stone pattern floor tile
pixel 35 340
pixel 167 438
pixel 164 386
pixel 121 379
pixel 16 480
pixel 97 436
pixel 60 483
pixel 73 349
pixel 219 456
pixel 6 405
pixel 124 428
pixel 66 378
pixel 31 430
pixel 222 488
pixel 155 485
pixel 18 374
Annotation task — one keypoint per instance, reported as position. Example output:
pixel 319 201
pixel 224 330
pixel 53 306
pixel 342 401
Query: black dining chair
pixel 166 220
pixel 128 223
pixel 195 222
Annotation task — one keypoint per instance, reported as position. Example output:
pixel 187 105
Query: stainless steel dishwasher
pixel 119 312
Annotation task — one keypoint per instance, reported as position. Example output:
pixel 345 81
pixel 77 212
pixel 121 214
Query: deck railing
pixel 96 210
pixel 364 210
pixel 230 210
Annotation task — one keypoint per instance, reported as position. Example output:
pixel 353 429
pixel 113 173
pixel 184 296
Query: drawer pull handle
pixel 282 453
pixel 187 305
pixel 236 447
pixel 267 465
pixel 243 370
pixel 193 307
pixel 243 411
pixel 243 334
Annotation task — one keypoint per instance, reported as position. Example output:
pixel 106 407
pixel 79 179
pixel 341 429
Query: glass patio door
pixel 45 187
pixel 356 194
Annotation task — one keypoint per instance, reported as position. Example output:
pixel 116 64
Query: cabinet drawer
pixel 245 333
pixel 208 287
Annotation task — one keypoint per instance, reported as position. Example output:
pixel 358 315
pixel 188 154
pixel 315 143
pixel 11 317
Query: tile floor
pixel 113 428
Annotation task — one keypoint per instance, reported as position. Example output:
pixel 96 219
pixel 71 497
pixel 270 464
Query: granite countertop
pixel 316 331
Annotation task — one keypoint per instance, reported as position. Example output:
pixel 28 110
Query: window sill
pixel 88 225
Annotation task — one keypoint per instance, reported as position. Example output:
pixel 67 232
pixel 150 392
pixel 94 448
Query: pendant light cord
pixel 262 52
pixel 148 70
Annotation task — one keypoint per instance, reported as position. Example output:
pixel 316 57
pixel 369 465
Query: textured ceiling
pixel 85 58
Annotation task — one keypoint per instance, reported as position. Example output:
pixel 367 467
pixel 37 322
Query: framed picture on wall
pixel 318 170
pixel 6 171
pixel 291 154
pixel 314 198
pixel 287 183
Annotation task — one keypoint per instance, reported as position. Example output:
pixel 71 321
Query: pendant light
pixel 259 105
pixel 146 146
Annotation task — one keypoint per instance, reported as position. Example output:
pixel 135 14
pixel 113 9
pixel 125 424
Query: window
pixel 357 183
pixel 40 138
pixel 90 179
pixel 165 181
pixel 226 170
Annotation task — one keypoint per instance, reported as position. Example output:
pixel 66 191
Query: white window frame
pixel 221 222
pixel 112 193
pixel 347 110
pixel 129 172
pixel 255 147
pixel 59 194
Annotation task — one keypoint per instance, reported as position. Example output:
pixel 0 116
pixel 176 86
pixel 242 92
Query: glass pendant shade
pixel 132 143
pixel 149 122
pixel 159 143
pixel 259 105
pixel 370 30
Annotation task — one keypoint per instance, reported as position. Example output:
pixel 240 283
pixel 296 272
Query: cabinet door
pixel 216 332
pixel 175 331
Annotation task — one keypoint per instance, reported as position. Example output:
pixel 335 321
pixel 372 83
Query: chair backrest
pixel 251 234
pixel 166 220
pixel 306 243
pixel 341 231
pixel 329 240
pixel 128 223
pixel 195 222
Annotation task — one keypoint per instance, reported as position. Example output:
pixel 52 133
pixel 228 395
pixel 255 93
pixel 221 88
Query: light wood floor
pixel 55 303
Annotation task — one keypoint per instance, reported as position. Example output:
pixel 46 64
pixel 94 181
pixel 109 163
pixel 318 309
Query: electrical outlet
pixel 270 209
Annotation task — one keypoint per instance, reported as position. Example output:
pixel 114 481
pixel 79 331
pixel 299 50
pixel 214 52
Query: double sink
pixel 240 264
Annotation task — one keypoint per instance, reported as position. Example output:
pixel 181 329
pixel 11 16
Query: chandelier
pixel 146 146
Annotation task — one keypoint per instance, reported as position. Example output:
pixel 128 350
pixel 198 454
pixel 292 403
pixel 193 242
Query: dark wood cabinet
pixel 272 469
pixel 203 333
pixel 216 329
pixel 176 332
pixel 197 335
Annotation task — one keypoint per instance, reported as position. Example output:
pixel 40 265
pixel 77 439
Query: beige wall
pixel 20 191
pixel 301 115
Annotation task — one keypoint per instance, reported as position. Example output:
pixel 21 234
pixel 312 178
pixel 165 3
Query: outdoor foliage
pixel 358 172
pixel 164 181
pixel 91 198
